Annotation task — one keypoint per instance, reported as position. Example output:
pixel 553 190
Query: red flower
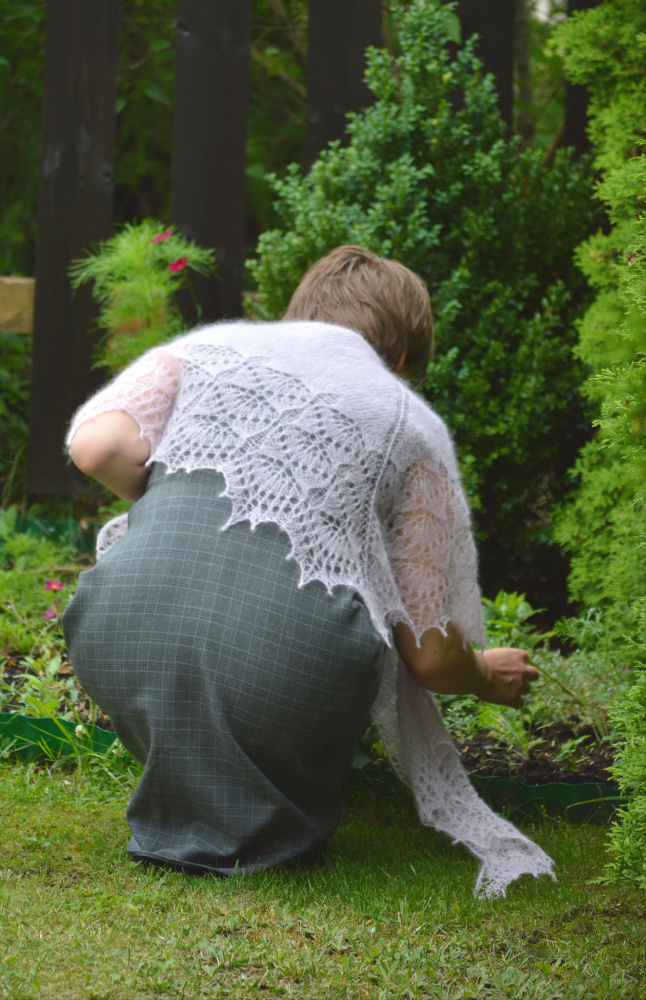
pixel 162 236
pixel 178 265
pixel 53 585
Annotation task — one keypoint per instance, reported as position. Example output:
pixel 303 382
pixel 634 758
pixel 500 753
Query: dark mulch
pixel 590 761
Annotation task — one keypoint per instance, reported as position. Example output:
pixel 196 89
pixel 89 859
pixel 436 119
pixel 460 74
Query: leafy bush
pixel 429 177
pixel 29 603
pixel 604 527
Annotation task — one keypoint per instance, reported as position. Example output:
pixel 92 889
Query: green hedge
pixel 431 178
pixel 604 526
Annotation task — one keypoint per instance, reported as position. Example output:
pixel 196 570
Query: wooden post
pixel 338 34
pixel 74 211
pixel 16 305
pixel 209 142
pixel 493 21
pixel 576 99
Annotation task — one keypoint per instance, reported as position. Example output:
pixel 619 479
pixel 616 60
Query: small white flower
pixel 80 730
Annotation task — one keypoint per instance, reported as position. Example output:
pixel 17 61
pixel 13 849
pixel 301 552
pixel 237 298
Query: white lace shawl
pixel 312 432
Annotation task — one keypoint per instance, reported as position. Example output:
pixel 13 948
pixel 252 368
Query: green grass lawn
pixel 389 914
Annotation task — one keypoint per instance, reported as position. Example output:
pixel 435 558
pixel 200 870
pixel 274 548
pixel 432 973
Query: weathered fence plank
pixel 493 21
pixel 209 139
pixel 339 32
pixel 74 210
pixel 16 305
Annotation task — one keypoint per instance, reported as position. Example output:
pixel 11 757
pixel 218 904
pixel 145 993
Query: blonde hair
pixel 379 298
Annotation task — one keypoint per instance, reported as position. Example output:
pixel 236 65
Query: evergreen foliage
pixel 431 178
pixel 604 527
pixel 627 840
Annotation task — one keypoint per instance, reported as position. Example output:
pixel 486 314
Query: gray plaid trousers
pixel 243 694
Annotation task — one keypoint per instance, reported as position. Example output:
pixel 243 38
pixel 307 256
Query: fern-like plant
pixel 135 276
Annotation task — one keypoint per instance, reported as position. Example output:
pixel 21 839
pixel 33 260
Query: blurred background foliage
pixel 276 124
pixel 276 121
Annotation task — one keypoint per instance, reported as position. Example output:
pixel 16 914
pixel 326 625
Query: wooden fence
pixel 208 164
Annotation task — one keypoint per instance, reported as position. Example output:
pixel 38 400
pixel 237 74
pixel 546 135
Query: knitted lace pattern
pixel 312 432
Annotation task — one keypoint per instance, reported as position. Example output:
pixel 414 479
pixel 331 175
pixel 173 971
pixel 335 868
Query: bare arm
pixel 110 448
pixel 443 664
pixel 113 435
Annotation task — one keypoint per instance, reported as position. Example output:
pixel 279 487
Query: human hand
pixel 510 675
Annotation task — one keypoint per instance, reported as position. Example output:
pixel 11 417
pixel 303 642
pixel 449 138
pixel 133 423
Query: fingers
pixel 511 676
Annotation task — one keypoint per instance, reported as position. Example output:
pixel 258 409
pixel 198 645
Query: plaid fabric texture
pixel 243 694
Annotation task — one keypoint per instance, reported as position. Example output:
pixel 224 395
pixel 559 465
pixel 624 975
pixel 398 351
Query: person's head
pixel 380 299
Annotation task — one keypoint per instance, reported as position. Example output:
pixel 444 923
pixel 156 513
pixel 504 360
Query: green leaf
pixel 453 27
pixel 155 93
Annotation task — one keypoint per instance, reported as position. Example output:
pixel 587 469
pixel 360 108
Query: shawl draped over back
pixel 311 431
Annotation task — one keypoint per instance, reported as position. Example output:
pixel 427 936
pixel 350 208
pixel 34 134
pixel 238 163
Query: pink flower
pixel 178 265
pixel 162 236
pixel 50 613
pixel 53 585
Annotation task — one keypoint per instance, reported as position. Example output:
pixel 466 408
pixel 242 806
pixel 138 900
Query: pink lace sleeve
pixel 146 390
pixel 421 548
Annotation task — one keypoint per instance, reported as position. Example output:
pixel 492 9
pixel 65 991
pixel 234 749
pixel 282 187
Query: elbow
pixel 434 661
pixel 421 660
pixel 85 454
pixel 424 671
pixel 109 442
pixel 91 451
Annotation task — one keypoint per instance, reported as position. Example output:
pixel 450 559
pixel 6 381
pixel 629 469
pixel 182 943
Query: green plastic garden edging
pixel 62 530
pixel 589 802
pixel 31 739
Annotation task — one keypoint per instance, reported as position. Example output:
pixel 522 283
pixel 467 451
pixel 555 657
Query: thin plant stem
pixel 564 687
pixel 579 701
